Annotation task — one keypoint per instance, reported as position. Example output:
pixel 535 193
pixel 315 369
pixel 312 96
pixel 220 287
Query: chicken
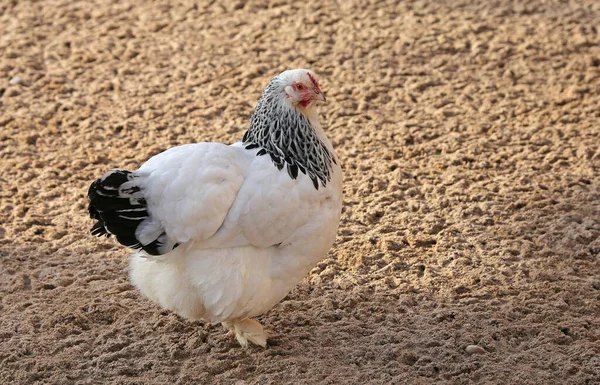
pixel 223 232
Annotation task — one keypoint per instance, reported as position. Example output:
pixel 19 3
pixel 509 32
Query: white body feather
pixel 248 232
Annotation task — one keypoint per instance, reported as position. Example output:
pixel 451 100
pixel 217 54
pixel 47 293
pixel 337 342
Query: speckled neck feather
pixel 287 136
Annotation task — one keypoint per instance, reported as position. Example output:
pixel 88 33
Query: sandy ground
pixel 470 139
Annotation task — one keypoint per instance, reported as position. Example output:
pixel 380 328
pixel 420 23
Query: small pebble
pixel 13 92
pixel 474 349
pixel 16 80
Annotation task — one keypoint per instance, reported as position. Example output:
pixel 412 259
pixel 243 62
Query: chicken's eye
pixel 300 86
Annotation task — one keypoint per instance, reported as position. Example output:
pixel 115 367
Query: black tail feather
pixel 119 212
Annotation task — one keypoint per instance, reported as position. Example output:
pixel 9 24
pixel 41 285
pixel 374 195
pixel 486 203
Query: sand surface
pixel 469 134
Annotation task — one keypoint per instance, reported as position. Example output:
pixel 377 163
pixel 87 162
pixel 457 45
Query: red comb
pixel 313 80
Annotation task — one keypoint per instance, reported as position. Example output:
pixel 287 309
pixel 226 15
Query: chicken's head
pixel 301 88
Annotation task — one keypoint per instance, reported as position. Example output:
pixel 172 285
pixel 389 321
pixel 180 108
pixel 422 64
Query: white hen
pixel 223 233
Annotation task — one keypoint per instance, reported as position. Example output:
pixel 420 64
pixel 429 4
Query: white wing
pixel 189 190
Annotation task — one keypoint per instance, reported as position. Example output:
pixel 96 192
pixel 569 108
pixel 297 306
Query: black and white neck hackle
pixel 287 136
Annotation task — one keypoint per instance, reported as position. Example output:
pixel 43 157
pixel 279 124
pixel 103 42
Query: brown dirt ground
pixel 470 138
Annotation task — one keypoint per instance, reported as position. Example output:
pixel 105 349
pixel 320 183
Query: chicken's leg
pixel 247 330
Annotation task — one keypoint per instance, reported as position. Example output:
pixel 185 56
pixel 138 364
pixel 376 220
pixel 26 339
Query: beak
pixel 320 96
